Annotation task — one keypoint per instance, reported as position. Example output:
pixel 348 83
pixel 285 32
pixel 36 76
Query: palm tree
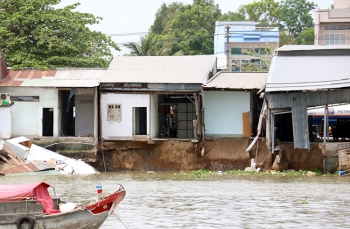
pixel 149 46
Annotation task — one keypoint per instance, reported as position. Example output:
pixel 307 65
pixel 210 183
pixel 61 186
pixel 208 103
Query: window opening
pixel 114 113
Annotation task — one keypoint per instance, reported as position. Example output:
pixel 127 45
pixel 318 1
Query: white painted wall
pixel 5 122
pixel 123 129
pixel 84 115
pixel 154 125
pixel 27 116
pixel 223 112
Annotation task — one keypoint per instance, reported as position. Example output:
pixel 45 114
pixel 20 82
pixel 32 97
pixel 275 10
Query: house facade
pixel 153 97
pixel 232 105
pixel 332 26
pixel 294 90
pixel 56 107
pixel 245 44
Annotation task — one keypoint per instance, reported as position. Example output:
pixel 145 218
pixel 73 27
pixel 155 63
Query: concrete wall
pixel 154 124
pixel 84 115
pixel 5 122
pixel 122 129
pixel 27 116
pixel 223 112
pixel 340 4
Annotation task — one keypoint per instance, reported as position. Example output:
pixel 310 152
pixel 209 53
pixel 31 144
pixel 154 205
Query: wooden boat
pixel 31 206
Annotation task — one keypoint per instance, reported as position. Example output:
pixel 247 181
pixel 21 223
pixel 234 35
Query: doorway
pixel 47 122
pixel 139 120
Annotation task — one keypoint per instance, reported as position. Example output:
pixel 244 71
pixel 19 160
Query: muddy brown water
pixel 168 200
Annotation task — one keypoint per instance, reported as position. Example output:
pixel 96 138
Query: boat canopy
pixel 38 191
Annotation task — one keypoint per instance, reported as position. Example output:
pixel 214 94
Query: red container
pixel 99 189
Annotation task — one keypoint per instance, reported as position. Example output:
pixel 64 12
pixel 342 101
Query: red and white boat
pixel 31 206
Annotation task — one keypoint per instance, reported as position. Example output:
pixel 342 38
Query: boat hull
pixel 88 217
pixel 76 219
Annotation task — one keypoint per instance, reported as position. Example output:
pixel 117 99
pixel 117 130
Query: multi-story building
pixel 246 43
pixel 332 26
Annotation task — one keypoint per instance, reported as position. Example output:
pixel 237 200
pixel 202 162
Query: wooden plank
pixel 246 125
pixel 5 159
pixel 12 155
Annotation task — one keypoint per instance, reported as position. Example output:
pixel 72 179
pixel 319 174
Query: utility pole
pixel 228 64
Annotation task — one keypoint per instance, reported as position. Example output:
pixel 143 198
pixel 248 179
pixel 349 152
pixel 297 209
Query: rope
pixel 120 221
pixel 103 157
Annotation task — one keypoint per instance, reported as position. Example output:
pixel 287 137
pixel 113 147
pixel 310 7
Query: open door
pixel 47 122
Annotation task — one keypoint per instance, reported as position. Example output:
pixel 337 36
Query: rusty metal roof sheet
pixel 16 78
pixel 238 80
pixel 54 78
pixel 160 69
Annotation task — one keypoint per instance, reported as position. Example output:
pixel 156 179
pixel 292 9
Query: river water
pixel 168 200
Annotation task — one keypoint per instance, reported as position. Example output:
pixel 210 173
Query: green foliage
pixel 286 39
pixel 199 173
pixel 35 34
pixel 307 36
pixel 148 46
pixel 295 15
pixel 163 16
pixel 267 12
pixel 232 16
pixel 263 54
pixel 304 201
pixel 186 29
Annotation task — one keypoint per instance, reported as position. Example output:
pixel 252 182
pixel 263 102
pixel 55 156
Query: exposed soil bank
pixel 220 154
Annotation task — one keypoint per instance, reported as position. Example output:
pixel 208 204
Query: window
pixel 334 39
pixel 236 51
pixel 114 113
pixel 25 98
pixel 337 27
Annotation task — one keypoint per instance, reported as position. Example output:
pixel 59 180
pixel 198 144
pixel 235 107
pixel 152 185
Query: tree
pixel 261 57
pixel 286 39
pixel 267 12
pixel 163 16
pixel 35 34
pixel 232 16
pixel 307 36
pixel 295 15
pixel 191 31
pixel 148 46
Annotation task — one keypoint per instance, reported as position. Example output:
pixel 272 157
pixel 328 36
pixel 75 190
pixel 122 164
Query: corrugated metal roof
pixel 37 82
pixel 311 47
pixel 291 73
pixel 159 69
pixel 77 77
pixel 238 80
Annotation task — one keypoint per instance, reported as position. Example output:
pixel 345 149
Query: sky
pixel 127 20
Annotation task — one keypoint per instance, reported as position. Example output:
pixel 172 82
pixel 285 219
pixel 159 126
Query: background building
pixel 332 26
pixel 244 37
